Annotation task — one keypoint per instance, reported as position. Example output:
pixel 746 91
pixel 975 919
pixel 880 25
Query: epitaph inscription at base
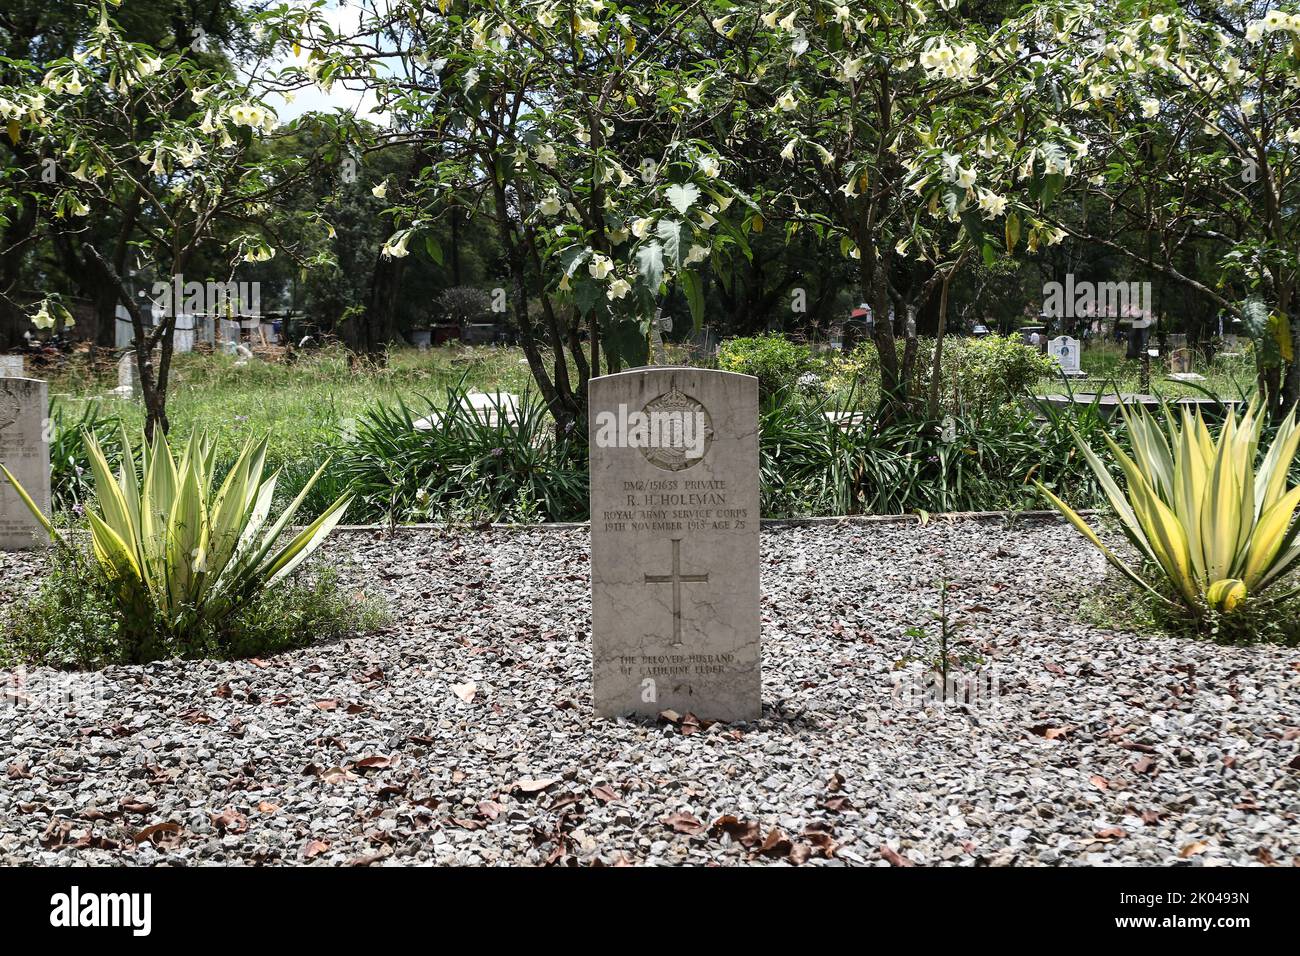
pixel 675 544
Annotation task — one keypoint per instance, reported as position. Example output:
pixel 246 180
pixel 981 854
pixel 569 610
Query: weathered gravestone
pixel 1182 366
pixel 128 376
pixel 25 451
pixel 1180 361
pixel 11 366
pixel 674 543
pixel 1067 352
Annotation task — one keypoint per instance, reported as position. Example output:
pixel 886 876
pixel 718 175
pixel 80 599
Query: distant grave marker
pixel 1068 354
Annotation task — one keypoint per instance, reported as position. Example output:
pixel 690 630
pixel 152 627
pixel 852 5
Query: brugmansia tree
pixel 1192 115
pixel 170 142
pixel 1215 520
pixel 567 126
pixel 914 136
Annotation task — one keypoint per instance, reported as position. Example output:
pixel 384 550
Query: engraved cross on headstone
pixel 676 579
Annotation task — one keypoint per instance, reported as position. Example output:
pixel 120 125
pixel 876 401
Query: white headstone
pixel 128 376
pixel 183 336
pixel 25 451
pixel 1066 351
pixel 11 366
pixel 674 543
pixel 124 333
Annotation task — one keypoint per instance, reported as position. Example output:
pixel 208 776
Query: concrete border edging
pixel 946 517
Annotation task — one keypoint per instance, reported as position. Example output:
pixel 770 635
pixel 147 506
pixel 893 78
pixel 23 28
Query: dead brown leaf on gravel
pixel 230 820
pixel 682 822
pixel 894 857
pixel 160 834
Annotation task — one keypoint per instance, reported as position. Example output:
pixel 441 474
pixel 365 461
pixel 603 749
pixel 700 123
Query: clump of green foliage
pixel 71 621
pixel 977 376
pixel 499 464
pixel 774 360
pixel 1215 515
pixel 180 552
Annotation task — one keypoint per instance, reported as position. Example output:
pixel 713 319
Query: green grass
pixel 307 408
pixel 304 406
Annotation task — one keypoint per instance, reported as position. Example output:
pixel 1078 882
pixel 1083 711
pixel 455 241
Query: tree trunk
pixel 937 364
pixel 153 381
pixel 379 324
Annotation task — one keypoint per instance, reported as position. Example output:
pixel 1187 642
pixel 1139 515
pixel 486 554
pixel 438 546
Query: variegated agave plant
pixel 176 555
pixel 1220 529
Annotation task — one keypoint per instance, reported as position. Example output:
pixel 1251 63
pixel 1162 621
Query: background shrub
pixel 813 465
pixel 977 375
pixel 71 483
pixel 774 360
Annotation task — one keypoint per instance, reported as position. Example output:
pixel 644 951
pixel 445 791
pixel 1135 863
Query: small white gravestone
pixel 25 451
pixel 1067 352
pixel 124 333
pixel 128 376
pixel 674 543
pixel 11 366
pixel 183 335
pixel 487 407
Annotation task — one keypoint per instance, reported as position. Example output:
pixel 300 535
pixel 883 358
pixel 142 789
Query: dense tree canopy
pixel 744 165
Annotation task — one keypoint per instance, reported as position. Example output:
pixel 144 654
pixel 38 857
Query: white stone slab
pixel 674 543
pixel 487 407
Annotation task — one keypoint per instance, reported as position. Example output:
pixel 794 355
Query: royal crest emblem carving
pixel 682 430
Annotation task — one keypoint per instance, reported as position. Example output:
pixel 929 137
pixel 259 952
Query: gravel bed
pixel 465 734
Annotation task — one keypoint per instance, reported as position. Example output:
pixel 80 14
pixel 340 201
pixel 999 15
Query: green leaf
pixel 434 249
pixel 650 263
pixel 970 221
pixel 951 203
pixel 572 257
pixel 1050 186
pixel 693 289
pixel 1280 327
pixel 588 296
pixel 682 197
pixel 627 338
pixel 31 505
pixel 1012 232
pixel 671 232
